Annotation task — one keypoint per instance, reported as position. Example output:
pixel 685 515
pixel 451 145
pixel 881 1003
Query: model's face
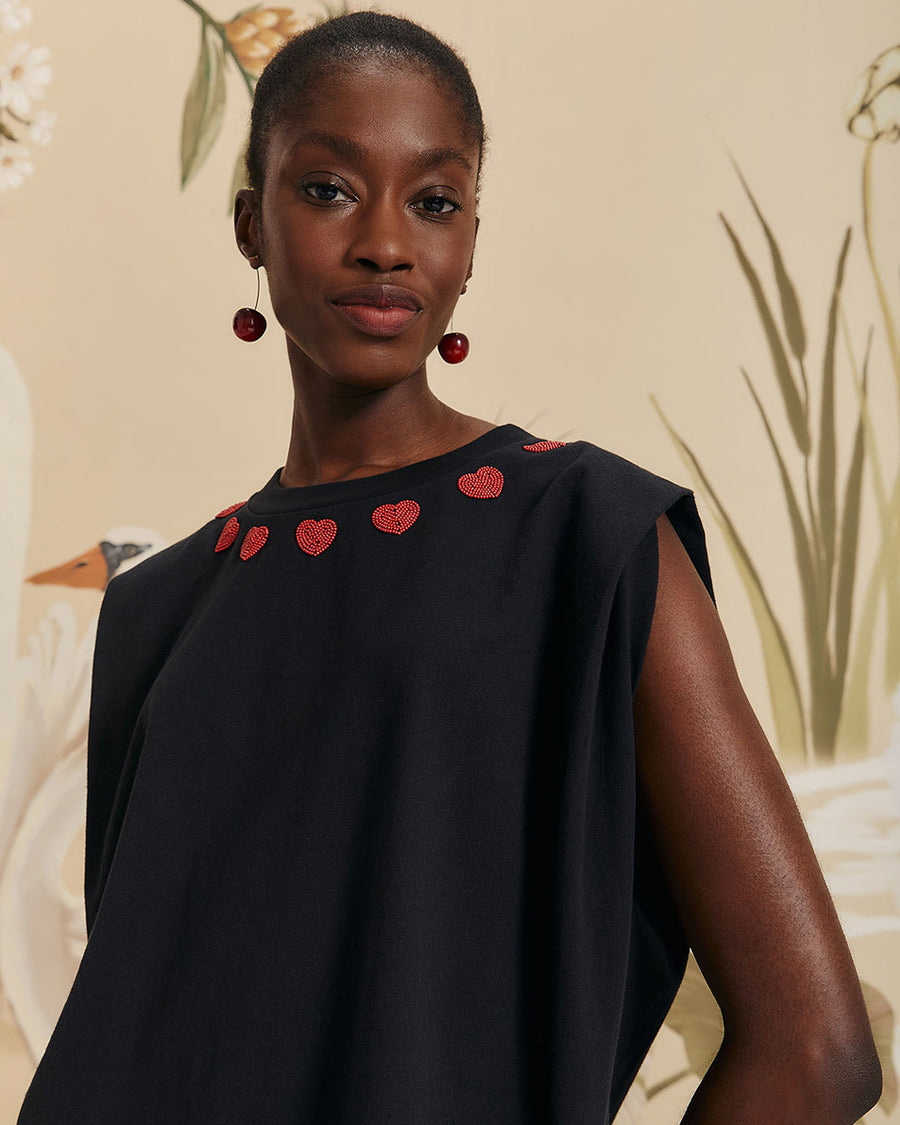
pixel 367 224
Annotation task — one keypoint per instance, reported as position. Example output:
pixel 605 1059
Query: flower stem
pixel 219 29
pixel 202 13
pixel 889 325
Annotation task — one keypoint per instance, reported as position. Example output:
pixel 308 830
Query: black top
pixel 363 840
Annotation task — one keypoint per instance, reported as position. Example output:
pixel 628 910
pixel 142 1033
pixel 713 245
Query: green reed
pixel 819 693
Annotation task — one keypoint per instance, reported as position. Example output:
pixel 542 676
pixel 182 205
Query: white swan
pixel 44 698
pixel 42 803
pixel 15 514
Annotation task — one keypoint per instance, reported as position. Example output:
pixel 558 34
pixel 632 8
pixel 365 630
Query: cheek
pixel 299 264
pixel 448 267
pixel 444 259
pixel 300 250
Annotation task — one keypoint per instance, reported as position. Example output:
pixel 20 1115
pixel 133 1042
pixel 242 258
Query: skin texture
pixel 798 1047
pixel 752 898
pixel 362 404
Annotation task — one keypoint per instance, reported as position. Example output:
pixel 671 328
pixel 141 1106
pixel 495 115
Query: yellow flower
pixel 873 112
pixel 256 36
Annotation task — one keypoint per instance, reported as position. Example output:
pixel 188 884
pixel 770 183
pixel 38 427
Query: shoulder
pixel 614 502
pixel 599 476
pixel 162 587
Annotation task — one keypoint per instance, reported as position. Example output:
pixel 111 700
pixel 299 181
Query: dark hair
pixel 285 83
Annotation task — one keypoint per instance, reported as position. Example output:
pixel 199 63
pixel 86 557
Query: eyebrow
pixel 353 150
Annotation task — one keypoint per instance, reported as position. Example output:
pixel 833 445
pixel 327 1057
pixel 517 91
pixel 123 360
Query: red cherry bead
pixel 453 347
pixel 249 324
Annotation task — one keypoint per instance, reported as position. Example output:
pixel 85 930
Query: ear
pixel 246 223
pixel 472 259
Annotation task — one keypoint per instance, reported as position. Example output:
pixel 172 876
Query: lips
pixel 379 310
pixel 379 297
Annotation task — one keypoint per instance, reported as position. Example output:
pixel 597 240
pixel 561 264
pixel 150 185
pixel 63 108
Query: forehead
pixel 393 110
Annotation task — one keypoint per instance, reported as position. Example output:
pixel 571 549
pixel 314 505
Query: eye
pixel 324 191
pixel 438 205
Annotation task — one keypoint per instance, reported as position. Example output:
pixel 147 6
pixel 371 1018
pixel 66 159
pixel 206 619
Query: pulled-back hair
pixel 287 81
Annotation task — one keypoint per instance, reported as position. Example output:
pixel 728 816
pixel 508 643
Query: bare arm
pixel 798 1048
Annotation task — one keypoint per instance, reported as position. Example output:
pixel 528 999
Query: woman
pixel 411 778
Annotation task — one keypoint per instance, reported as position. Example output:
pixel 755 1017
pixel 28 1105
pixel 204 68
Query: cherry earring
pixel 453 347
pixel 249 324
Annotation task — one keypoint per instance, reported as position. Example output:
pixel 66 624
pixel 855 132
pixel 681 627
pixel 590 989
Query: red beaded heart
pixel 231 508
pixel 396 518
pixel 313 536
pixel 228 534
pixel 483 483
pixel 253 540
pixel 540 446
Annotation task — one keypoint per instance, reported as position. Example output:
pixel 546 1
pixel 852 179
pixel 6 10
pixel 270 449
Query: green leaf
pixel 853 729
pixel 846 565
pixel 892 587
pixel 853 733
pixel 891 553
pixel 827 475
pixel 888 509
pixel 884 572
pixel 821 688
pixel 790 305
pixel 789 393
pixel 803 550
pixel 204 106
pixel 784 689
pixel 238 177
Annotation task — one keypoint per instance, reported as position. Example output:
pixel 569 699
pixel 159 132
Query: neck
pixel 340 431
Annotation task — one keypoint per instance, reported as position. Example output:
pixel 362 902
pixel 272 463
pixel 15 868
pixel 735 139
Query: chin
pixel 375 365
pixel 374 376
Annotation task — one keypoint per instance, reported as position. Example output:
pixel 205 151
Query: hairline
pixel 352 54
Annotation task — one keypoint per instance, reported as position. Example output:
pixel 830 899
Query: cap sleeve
pixel 635 598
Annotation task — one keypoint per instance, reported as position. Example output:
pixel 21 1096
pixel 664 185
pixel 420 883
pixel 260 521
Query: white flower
pixel 24 77
pixel 873 111
pixel 42 126
pixel 14 167
pixel 13 15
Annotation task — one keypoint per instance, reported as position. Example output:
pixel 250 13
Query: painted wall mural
pixel 820 696
pixel 820 689
pixel 43 721
pixel 247 40
pixel 817 398
pixel 24 77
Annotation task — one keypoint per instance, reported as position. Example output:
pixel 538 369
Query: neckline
pixel 274 497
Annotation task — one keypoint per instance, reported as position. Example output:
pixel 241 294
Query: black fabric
pixel 363 842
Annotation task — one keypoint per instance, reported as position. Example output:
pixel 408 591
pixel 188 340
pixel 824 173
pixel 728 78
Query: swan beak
pixel 87 570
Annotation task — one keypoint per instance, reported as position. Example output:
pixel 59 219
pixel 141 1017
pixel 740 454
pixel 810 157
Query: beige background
pixel 602 275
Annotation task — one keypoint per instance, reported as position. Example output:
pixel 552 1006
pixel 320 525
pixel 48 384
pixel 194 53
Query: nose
pixel 382 241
